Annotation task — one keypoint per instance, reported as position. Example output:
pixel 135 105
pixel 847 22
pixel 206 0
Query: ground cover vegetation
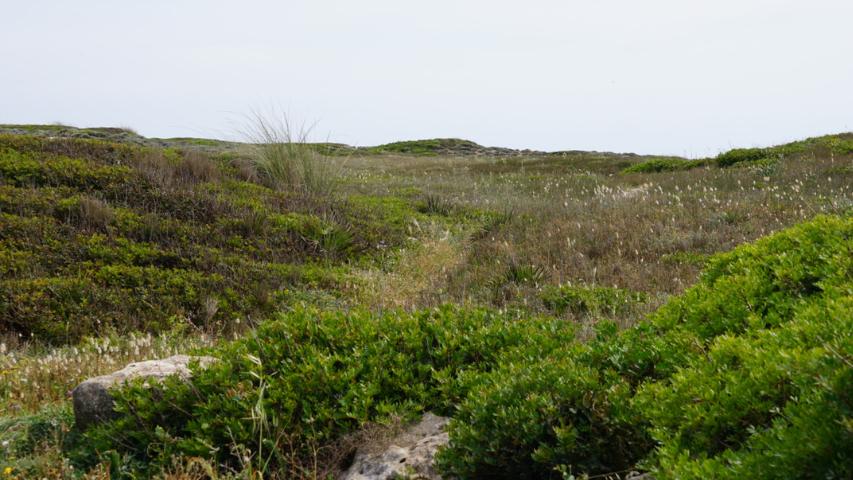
pixel 576 313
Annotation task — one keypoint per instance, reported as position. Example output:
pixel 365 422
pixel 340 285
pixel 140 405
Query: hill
pixel 565 308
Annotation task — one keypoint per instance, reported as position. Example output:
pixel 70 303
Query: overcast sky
pixel 655 76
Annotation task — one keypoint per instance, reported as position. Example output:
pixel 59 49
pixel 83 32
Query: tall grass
pixel 284 158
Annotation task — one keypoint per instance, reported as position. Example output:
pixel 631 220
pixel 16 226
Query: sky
pixel 680 77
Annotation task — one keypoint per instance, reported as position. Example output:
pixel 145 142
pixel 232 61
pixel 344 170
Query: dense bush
pixel 307 377
pixel 774 404
pixel 741 155
pixel 657 165
pixel 182 237
pixel 591 300
pixel 524 420
pixel 734 376
pixel 426 147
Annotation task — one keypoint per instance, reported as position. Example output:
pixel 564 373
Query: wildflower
pixel 7 471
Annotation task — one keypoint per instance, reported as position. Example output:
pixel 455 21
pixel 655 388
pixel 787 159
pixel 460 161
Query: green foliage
pixel 425 147
pixel 98 237
pixel 591 300
pixel 28 443
pixel 23 169
pixel 309 376
pixel 518 273
pixel 775 404
pixel 657 165
pixel 436 204
pixel 689 258
pixel 746 373
pixel 526 418
pixel 741 155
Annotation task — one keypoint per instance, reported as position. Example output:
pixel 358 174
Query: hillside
pixel 565 308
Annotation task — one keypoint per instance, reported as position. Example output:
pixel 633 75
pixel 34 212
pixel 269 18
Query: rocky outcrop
pixel 409 455
pixel 93 402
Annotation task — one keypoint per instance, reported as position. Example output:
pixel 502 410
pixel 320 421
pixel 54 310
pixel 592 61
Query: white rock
pixel 93 402
pixel 410 455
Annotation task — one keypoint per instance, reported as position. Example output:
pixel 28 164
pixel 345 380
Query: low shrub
pixel 657 165
pixel 428 147
pixel 591 300
pixel 205 246
pixel 310 376
pixel 775 404
pixel 526 419
pixel 745 373
pixel 741 155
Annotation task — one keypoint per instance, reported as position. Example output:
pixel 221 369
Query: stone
pixel 633 475
pixel 92 400
pixel 410 455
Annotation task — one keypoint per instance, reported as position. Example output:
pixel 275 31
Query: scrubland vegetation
pixel 575 313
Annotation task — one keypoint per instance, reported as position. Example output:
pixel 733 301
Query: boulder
pixel 93 402
pixel 410 455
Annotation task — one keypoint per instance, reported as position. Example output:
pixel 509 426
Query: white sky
pixel 681 77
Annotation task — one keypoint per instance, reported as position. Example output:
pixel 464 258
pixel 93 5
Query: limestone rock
pixel 93 402
pixel 411 454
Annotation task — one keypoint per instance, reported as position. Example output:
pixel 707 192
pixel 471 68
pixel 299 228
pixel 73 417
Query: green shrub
pixel 310 376
pixel 591 300
pixel 426 147
pixel 775 404
pixel 22 169
pixel 657 165
pixel 741 155
pixel 123 297
pixel 199 244
pixel 29 444
pixel 526 419
pixel 734 374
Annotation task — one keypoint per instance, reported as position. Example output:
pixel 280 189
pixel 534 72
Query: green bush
pixel 310 376
pixel 657 165
pixel 734 374
pixel 775 404
pixel 204 245
pixel 526 419
pixel 741 155
pixel 425 147
pixel 591 300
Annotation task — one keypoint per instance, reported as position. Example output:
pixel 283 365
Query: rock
pixel 410 455
pixel 93 402
pixel 639 476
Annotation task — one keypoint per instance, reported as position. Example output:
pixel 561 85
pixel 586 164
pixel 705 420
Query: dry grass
pixel 417 273
pixel 32 377
pixel 644 232
pixel 93 213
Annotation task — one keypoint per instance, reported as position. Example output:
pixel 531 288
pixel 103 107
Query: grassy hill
pixel 435 275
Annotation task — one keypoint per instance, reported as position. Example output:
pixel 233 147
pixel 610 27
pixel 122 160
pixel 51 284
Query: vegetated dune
pixel 574 312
